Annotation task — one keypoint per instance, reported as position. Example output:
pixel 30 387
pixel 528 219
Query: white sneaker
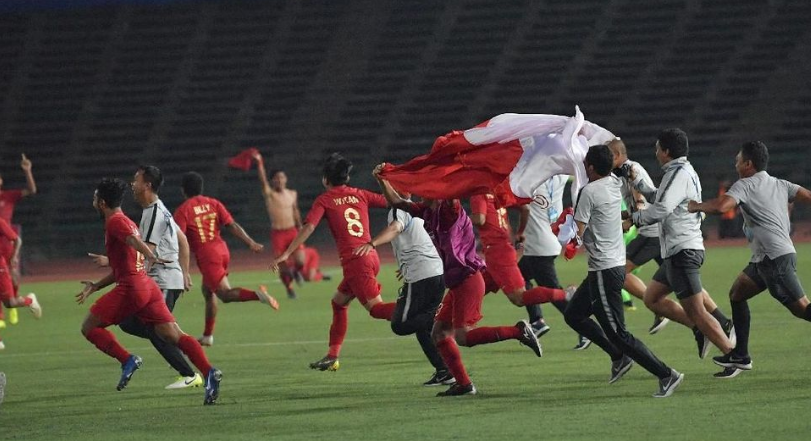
pixel 570 290
pixel 34 306
pixel 184 382
pixel 2 345
pixel 206 340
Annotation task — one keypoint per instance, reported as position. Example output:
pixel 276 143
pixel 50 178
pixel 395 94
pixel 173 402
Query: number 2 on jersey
pixel 353 224
pixel 207 220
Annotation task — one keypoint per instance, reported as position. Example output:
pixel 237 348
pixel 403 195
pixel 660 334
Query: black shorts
pixel 418 297
pixel 540 269
pixel 779 275
pixel 643 249
pixel 681 273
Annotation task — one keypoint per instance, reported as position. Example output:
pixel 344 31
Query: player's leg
pixel 337 330
pixel 210 300
pixel 227 294
pixel 656 298
pixel 111 308
pixel 578 316
pixel 747 285
pixel 443 337
pixel 360 279
pixel 414 314
pixel 280 240
pixel 171 332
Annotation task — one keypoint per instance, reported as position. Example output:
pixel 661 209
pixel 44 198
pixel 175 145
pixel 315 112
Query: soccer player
pixel 285 220
pixel 347 212
pixel 682 246
pixel 6 288
pixel 162 235
pixel 135 293
pixel 312 266
pixel 599 224
pixel 645 246
pixel 200 218
pixel 502 271
pixel 451 230
pixel 419 266
pixel 763 200
pixel 540 248
pixel 8 200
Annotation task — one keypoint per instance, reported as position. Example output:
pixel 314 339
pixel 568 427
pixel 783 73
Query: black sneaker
pixel 668 385
pixel 658 324
pixel 440 378
pixel 326 364
pixel 729 372
pixel 539 328
pixel 291 294
pixel 326 277
pixel 619 368
pixel 729 330
pixel 732 361
pixel 583 343
pixel 528 338
pixel 458 390
pixel 703 343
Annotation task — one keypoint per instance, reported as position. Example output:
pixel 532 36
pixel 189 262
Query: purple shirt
pixel 452 233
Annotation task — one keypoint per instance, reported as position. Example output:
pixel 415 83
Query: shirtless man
pixel 285 220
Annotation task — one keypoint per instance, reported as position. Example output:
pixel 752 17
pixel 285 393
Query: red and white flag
pixel 510 155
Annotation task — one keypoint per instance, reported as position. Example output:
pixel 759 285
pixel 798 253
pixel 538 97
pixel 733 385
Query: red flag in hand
pixel 243 159
pixel 561 219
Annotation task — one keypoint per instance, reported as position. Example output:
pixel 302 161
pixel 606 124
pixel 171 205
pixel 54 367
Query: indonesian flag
pixel 510 155
pixel 243 160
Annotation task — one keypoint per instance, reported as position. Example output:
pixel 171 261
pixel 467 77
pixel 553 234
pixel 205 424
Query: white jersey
pixel 414 250
pixel 599 207
pixel 543 211
pixel 159 228
pixel 764 203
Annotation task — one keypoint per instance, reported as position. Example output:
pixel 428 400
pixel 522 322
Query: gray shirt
pixel 599 206
pixel 159 228
pixel 628 196
pixel 543 211
pixel 764 203
pixel 414 251
pixel 679 229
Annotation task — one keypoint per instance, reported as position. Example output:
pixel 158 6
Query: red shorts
pixel 143 299
pixel 502 269
pixel 360 278
pixel 213 265
pixel 312 263
pixel 281 239
pixel 6 287
pixel 462 305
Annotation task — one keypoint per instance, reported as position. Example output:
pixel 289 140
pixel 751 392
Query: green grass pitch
pixel 61 388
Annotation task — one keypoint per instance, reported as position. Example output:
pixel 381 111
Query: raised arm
pixel 389 193
pixel 263 177
pixel 31 185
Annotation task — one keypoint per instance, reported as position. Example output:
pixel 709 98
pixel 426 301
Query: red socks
pixel 383 311
pixel 209 330
pixel 106 342
pixel 337 331
pixel 542 294
pixel 484 335
pixel 194 351
pixel 453 359
pixel 246 295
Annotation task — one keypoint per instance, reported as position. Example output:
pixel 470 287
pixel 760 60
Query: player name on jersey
pixel 346 200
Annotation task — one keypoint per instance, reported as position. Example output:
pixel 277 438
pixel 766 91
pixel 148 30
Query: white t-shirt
pixel 159 228
pixel 543 211
pixel 414 251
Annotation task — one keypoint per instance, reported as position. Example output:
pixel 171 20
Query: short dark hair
pixel 757 152
pixel 675 142
pixel 601 158
pixel 274 172
pixel 192 184
pixel 152 175
pixel 336 169
pixel 111 191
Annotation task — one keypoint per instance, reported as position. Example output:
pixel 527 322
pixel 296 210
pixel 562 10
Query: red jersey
pixel 7 235
pixel 496 228
pixel 125 262
pixel 200 218
pixel 8 199
pixel 347 211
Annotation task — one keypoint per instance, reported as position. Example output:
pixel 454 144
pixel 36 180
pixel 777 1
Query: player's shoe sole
pixel 457 391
